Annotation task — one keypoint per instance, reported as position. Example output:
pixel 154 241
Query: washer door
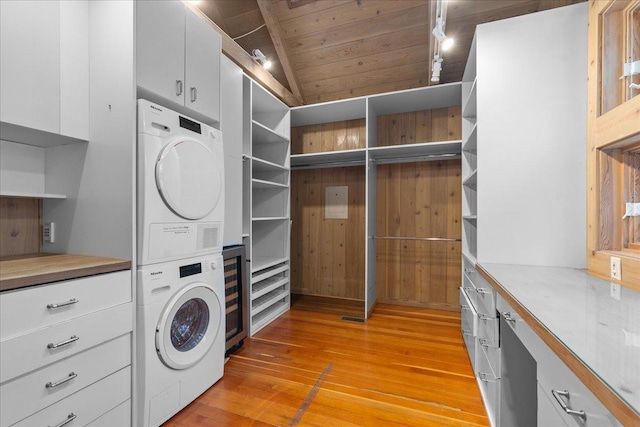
pixel 188 178
pixel 188 326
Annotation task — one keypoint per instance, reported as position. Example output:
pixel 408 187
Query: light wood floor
pixel 405 367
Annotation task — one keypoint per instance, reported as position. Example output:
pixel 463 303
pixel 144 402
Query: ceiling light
pixel 261 59
pixel 438 33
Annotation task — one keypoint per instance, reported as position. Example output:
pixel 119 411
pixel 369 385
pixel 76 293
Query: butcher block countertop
pixel 36 269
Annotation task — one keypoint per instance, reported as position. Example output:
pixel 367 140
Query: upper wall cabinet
pixel 178 59
pixel 44 71
pixel 613 160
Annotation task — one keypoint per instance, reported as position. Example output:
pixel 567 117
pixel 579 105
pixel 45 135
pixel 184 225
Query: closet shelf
pixel 470 145
pixel 261 262
pixel 262 165
pixel 264 135
pixel 265 286
pixel 31 195
pixel 270 218
pixel 329 159
pixel 416 152
pixel 472 180
pixel 470 218
pixel 261 303
pixel 260 183
pixel 263 318
pixel 470 106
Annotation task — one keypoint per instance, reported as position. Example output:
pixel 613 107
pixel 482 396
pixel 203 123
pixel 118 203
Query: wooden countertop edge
pixel 614 403
pixel 104 265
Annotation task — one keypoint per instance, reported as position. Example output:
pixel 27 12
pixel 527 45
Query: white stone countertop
pixel 601 330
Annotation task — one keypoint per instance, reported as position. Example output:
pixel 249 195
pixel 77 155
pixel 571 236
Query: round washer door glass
pixel 188 178
pixel 188 326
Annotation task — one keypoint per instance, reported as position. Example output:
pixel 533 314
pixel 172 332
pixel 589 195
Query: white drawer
pixel 493 355
pixel 119 416
pixel 489 384
pixel 468 323
pixel 30 393
pixel 86 405
pixel 486 297
pixel 470 290
pixel 554 375
pixel 26 309
pixel 27 352
pixel 488 330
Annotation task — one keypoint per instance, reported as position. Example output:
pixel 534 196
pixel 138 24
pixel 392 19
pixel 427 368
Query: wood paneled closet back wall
pixel 420 199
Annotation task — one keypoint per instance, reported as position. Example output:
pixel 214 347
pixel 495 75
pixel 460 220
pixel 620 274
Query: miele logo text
pixel 153 107
pixel 155 273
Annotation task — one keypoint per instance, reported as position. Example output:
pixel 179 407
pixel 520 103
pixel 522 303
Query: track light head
pixel 438 32
pixel 261 59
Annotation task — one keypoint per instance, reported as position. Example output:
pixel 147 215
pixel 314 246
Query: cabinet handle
pixel 468 270
pixel 565 407
pixel 484 342
pixel 466 333
pixel 508 316
pixel 194 94
pixel 485 317
pixel 178 87
pixel 70 418
pixel 62 343
pixel 483 377
pixel 71 376
pixel 483 291
pixel 53 306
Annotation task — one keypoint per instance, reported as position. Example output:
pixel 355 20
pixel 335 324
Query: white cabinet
pixel 266 203
pixel 178 59
pixel 44 71
pixel 66 349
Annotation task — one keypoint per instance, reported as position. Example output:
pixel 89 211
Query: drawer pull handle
pixel 178 87
pixel 71 376
pixel 483 291
pixel 62 304
pixel 485 317
pixel 194 94
pixel 468 270
pixel 485 343
pixel 508 316
pixel 565 407
pixel 62 343
pixel 70 418
pixel 483 377
pixel 466 333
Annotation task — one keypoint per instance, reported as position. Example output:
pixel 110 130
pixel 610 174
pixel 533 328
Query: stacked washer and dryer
pixel 180 278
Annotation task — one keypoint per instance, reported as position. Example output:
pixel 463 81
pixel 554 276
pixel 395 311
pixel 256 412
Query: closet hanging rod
pixel 430 239
pixel 411 159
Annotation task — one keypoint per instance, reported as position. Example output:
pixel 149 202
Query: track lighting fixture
pixel 438 32
pixel 261 59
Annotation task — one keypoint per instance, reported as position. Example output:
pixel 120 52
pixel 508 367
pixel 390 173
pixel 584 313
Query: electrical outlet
pixel 48 232
pixel 614 290
pixel 616 270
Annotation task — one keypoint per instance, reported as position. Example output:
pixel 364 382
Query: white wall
pixel 532 87
pixel 21 168
pixel 97 218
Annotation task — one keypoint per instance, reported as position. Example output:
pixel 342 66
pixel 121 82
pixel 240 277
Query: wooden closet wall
pixel 327 255
pixel 20 226
pixel 418 199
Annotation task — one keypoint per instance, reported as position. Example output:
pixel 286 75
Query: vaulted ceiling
pixel 324 50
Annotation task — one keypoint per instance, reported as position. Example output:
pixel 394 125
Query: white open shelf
pixel 270 218
pixel 264 135
pixel 271 172
pixel 263 318
pixel 470 107
pixel 470 144
pixel 270 201
pixel 472 180
pixel 31 195
pixel 260 262
pixel 265 286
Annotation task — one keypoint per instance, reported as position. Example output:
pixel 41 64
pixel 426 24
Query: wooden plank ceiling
pixel 325 50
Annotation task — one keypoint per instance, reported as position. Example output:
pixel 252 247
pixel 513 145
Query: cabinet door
pixel 202 67
pixel 30 64
pixel 160 48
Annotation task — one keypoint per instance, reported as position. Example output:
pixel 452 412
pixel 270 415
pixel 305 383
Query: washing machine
pixel 180 186
pixel 180 333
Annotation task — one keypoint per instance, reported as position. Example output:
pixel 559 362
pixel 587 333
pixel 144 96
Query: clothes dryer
pixel 180 186
pixel 180 333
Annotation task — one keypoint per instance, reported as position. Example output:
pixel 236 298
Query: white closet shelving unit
pixel 369 108
pixel 469 163
pixel 266 221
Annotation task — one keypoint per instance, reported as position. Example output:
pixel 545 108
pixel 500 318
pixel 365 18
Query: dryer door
pixel 188 326
pixel 189 178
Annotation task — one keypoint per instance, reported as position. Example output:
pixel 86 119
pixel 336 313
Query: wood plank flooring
pixel 406 366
